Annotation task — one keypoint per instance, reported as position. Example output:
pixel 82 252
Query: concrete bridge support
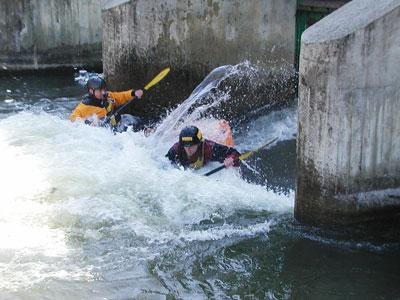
pixel 348 140
pixel 142 37
pixel 43 34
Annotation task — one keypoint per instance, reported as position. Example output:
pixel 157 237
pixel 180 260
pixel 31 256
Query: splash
pixel 66 185
pixel 192 109
pixel 236 94
pixel 80 204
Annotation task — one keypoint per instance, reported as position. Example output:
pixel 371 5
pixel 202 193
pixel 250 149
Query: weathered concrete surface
pixel 37 34
pixel 348 141
pixel 193 37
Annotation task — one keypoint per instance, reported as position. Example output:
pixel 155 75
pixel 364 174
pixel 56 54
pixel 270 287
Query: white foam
pixel 281 124
pixel 80 163
pixel 57 175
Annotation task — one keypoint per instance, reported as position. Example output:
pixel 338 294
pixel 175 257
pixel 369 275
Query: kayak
pixel 224 132
pixel 128 121
pixel 218 131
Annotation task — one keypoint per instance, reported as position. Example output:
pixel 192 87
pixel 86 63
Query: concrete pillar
pixel 193 37
pixel 41 34
pixel 348 140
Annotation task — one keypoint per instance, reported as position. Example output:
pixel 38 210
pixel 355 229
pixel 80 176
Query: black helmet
pixel 96 83
pixel 190 136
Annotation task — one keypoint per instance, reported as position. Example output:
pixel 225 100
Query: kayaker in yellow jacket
pixel 100 103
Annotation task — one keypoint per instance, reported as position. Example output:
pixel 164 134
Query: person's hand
pixel 229 162
pixel 110 106
pixel 139 93
pixel 113 121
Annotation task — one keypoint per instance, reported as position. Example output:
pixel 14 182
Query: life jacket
pixel 208 151
pixel 104 103
pixel 91 107
pixel 199 163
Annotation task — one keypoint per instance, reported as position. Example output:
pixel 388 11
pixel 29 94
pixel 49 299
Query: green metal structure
pixel 310 12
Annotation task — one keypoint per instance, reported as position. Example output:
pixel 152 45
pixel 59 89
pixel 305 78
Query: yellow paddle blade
pixel 247 154
pixel 156 79
pixel 250 153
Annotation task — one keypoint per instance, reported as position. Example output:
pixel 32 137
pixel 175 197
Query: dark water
pixel 57 93
pixel 97 216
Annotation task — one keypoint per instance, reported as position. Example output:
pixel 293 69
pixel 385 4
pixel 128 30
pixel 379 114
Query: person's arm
pixel 220 153
pixel 173 155
pixel 123 97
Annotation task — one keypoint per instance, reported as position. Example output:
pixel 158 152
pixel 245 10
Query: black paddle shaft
pixel 123 106
pixel 215 170
pixel 242 157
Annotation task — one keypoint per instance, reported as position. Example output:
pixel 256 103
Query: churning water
pixel 86 214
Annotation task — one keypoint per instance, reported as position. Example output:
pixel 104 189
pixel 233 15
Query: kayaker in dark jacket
pixel 194 151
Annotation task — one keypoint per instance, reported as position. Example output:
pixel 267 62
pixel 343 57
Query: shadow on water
pixel 56 93
pixel 283 262
pixel 269 170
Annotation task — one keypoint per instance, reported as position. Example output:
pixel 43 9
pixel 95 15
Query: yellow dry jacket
pixel 85 110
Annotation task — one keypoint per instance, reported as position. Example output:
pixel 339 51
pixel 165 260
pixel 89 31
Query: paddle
pixel 155 80
pixel 242 157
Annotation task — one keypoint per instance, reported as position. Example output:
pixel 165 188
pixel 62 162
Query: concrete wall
pixel 49 33
pixel 349 126
pixel 193 37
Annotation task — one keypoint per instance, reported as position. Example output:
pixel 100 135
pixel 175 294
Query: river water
pixel 86 214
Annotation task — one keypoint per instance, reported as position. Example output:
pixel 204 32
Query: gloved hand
pixel 137 93
pixel 113 121
pixel 229 162
pixel 110 106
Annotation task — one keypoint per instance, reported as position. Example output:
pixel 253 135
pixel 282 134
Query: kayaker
pixel 193 151
pixel 100 103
